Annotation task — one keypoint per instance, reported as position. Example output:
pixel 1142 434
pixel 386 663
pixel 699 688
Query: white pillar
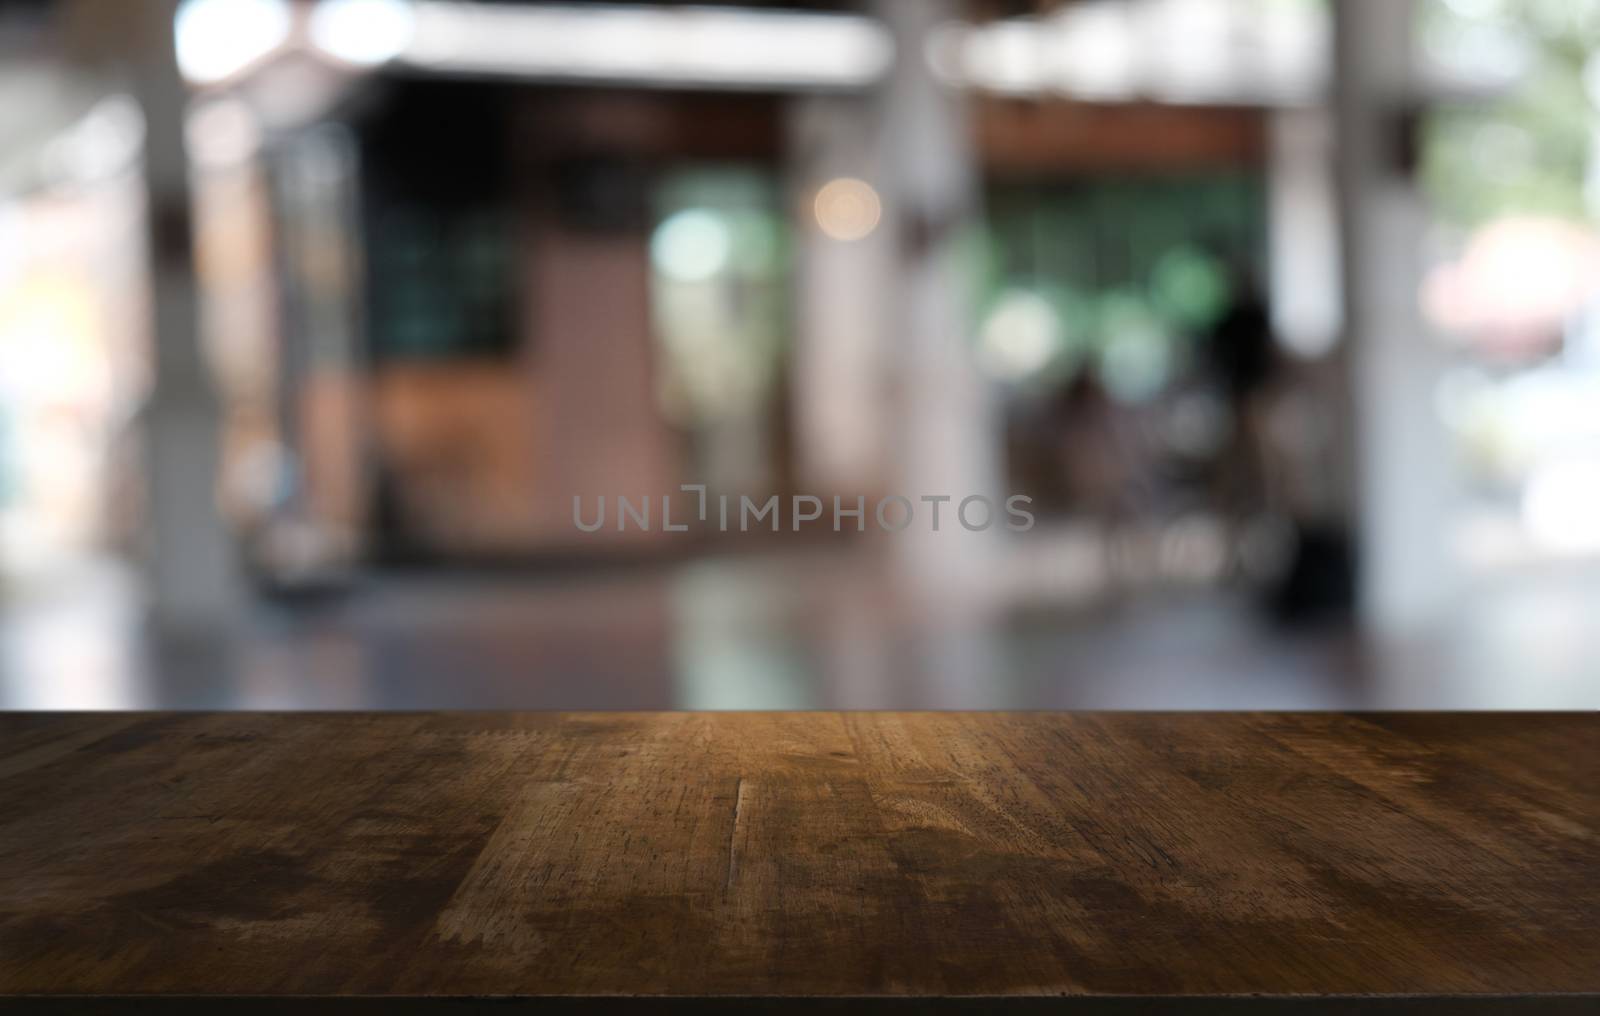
pixel 843 307
pixel 946 436
pixel 192 587
pixel 945 424
pixel 1403 478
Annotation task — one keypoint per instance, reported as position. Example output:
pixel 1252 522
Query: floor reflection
pixel 783 633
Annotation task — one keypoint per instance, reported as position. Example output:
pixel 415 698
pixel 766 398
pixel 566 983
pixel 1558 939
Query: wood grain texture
pixel 801 854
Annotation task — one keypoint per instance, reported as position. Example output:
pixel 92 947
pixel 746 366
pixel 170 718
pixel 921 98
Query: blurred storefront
pixel 458 263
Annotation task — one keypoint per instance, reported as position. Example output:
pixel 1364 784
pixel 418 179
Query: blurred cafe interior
pixel 320 320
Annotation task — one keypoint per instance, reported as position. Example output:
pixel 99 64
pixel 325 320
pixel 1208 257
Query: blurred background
pixel 315 317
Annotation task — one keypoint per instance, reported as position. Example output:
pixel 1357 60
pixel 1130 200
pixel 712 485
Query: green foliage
pixel 1528 150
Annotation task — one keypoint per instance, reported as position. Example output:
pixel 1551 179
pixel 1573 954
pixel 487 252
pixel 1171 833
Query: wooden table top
pixel 1080 858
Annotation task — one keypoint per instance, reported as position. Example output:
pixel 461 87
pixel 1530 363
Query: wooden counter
pixel 1045 862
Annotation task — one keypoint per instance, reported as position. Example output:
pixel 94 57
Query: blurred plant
pixel 718 254
pixel 1529 151
pixel 1189 287
pixel 1118 276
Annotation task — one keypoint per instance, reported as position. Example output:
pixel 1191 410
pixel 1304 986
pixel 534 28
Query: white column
pixel 1403 478
pixel 945 425
pixel 192 584
pixel 843 305
pixel 945 435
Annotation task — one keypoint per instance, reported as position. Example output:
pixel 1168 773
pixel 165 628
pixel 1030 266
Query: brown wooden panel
pixel 1093 859
pixel 1019 137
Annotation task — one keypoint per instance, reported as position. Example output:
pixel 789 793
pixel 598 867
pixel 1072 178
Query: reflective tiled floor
pixel 776 633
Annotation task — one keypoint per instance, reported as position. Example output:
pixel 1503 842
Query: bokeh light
pixel 847 209
pixel 363 32
pixel 1020 336
pixel 217 39
pixel 692 245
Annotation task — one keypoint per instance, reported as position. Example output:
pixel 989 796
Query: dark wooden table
pixel 1118 863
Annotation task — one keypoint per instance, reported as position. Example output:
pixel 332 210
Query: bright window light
pixel 1558 506
pixel 217 39
pixel 363 32
pixel 706 46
